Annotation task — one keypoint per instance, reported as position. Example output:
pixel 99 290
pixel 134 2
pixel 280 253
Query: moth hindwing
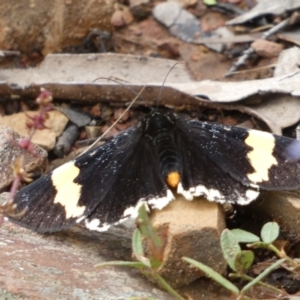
pixel 163 155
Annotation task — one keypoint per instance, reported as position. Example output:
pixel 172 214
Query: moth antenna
pixel 129 106
pixel 116 121
pixel 163 84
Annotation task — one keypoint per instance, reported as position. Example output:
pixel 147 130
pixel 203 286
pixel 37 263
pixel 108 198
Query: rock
pixel 121 17
pixel 45 138
pixel 3 198
pixel 266 48
pixel 140 8
pixel 96 110
pixel 66 141
pixel 51 26
pixel 192 229
pixel 284 207
pixel 92 131
pixel 61 266
pixel 9 151
pixel 78 117
pixel 119 112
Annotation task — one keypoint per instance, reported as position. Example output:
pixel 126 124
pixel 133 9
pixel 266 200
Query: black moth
pixel 162 155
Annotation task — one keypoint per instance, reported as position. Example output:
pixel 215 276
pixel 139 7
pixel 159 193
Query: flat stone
pixel 9 151
pixel 192 229
pixel 266 48
pixel 122 18
pixel 80 118
pixel 45 138
pixel 62 266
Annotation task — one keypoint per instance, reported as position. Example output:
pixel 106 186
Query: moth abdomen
pixel 160 128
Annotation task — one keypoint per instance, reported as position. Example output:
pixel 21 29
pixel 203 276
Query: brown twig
pixel 250 51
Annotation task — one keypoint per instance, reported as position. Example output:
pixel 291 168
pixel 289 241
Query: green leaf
pixel 214 275
pixel 137 243
pixel 270 232
pixel 230 247
pixel 145 226
pixel 243 260
pixel 155 263
pixel 133 264
pixel 243 236
pixel 138 249
pixel 263 274
pixel 210 2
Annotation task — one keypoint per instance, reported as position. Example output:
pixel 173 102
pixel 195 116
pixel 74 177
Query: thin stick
pixel 254 69
pixel 110 127
pixel 247 53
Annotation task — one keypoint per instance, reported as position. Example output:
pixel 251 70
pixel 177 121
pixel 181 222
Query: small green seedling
pixel 148 266
pixel 241 260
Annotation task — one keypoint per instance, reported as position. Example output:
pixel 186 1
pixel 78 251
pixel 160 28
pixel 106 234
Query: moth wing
pixel 78 188
pixel 139 181
pixel 230 164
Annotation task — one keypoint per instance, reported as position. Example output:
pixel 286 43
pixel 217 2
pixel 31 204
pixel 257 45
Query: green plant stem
pixel 281 255
pixel 164 285
pixel 249 278
pixel 262 275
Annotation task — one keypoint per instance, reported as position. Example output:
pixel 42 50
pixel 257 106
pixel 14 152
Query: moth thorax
pixel 157 123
